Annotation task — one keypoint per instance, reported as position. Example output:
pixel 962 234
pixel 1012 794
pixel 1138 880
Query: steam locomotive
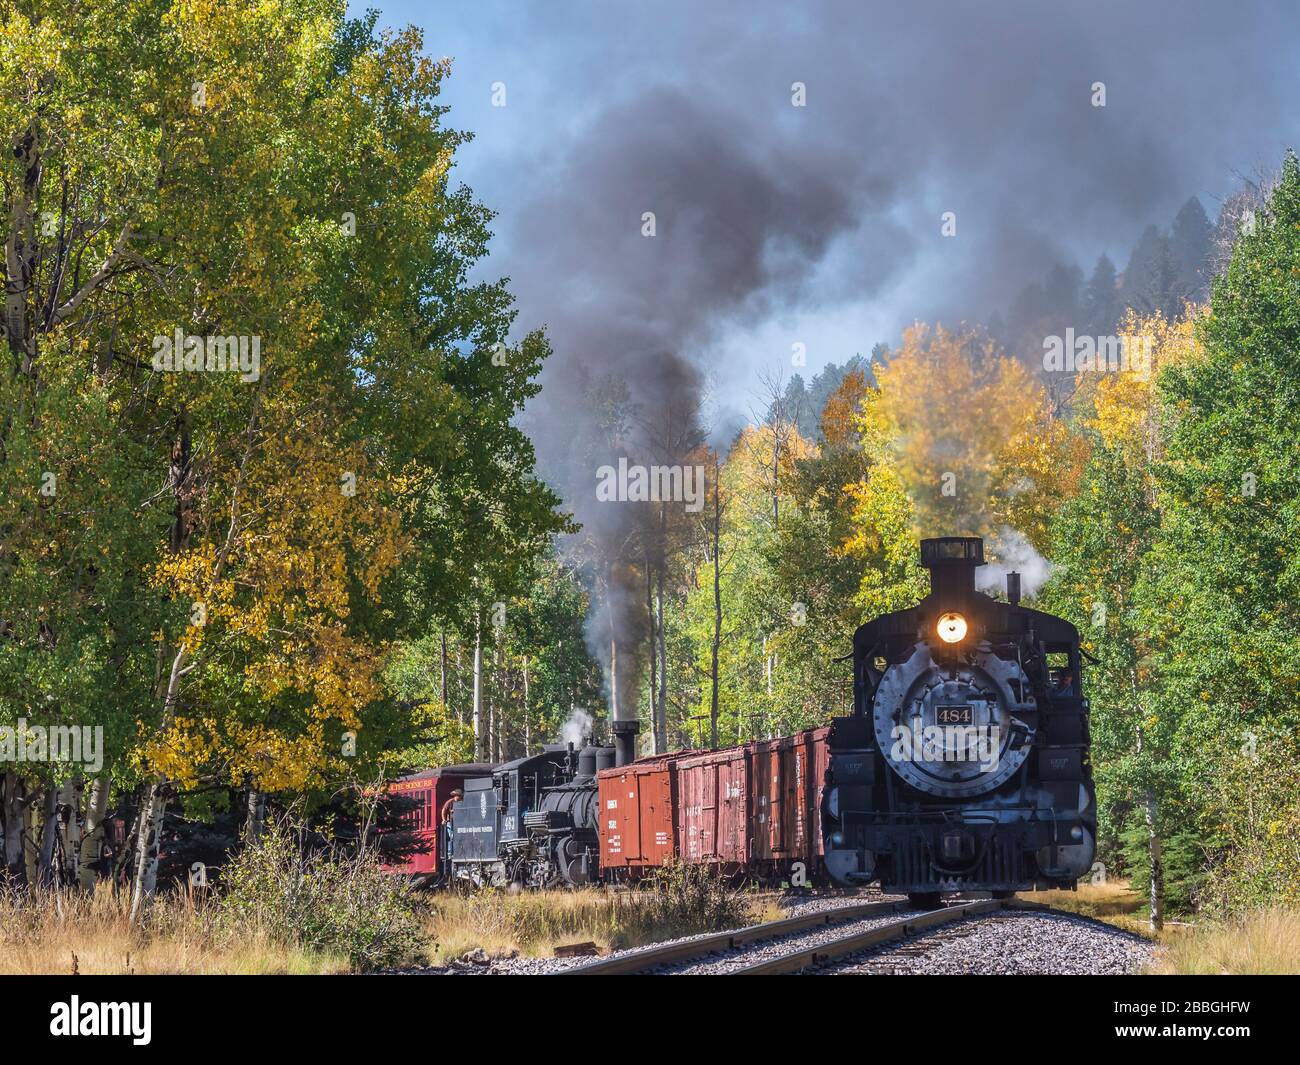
pixel 964 767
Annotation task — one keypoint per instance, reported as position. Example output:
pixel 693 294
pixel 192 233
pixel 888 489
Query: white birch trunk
pixel 93 836
pixel 479 751
pixel 14 815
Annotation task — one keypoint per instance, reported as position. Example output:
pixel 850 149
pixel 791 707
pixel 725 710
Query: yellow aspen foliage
pixel 1121 407
pixel 968 435
pixel 278 659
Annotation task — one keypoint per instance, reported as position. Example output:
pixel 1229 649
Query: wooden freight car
pixel 753 809
pixel 637 805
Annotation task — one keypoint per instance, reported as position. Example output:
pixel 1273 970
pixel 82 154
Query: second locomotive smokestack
pixel 625 733
pixel 1013 588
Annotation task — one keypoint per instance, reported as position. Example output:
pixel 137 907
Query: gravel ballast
pixel 1009 943
pixel 1012 942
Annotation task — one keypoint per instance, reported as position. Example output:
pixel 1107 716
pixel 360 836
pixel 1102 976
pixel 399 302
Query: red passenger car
pixel 418 837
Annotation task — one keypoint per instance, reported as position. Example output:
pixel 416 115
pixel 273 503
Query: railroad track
pixel 803 935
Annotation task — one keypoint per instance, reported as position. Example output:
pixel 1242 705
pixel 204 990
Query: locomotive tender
pixel 963 768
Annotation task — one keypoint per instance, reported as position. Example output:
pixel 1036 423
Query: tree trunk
pixel 613 677
pixel 1157 863
pixel 460 689
pixel 13 812
pixel 661 725
pixel 443 661
pixel 71 871
pixel 148 837
pixel 45 872
pixel 717 606
pixel 479 747
pixel 93 837
pixel 528 729
pixel 650 613
pixel 256 819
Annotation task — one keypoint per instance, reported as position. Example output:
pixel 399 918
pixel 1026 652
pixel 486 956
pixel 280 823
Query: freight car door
pixel 767 801
pixel 657 830
pixel 706 813
pixel 776 787
pixel 732 842
pixel 796 799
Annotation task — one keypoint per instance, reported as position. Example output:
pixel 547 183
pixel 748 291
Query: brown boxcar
pixel 637 805
pixel 713 822
pixel 785 797
pixel 820 760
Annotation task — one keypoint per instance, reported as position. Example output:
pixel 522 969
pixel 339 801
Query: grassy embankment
pixel 1266 942
pixel 65 932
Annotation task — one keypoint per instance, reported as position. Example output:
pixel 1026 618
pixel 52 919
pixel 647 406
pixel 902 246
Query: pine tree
pixel 1189 243
pixel 1151 279
pixel 1101 303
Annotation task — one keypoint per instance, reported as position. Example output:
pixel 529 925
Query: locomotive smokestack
pixel 951 561
pixel 1013 588
pixel 625 733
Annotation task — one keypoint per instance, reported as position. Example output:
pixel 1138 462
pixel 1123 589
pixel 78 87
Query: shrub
pixel 323 901
pixel 693 898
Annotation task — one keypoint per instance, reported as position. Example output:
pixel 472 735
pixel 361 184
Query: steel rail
pixel 810 957
pixel 684 950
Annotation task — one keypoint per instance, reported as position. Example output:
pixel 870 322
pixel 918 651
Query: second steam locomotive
pixel 964 767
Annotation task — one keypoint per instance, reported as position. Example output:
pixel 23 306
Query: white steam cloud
pixel 1014 553
pixel 576 728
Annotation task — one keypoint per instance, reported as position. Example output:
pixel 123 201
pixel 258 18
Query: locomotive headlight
pixel 951 627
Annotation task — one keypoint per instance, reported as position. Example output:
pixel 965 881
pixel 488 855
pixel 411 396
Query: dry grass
pixel 49 933
pixel 534 923
pixel 1265 943
pixel 1113 902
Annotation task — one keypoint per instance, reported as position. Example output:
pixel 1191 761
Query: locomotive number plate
pixel 954 714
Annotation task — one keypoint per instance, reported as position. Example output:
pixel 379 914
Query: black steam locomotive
pixel 532 821
pixel 964 766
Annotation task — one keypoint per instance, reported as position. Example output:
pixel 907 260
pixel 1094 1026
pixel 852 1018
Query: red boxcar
pixel 713 823
pixel 638 805
pixel 785 796
pixel 428 791
pixel 754 808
